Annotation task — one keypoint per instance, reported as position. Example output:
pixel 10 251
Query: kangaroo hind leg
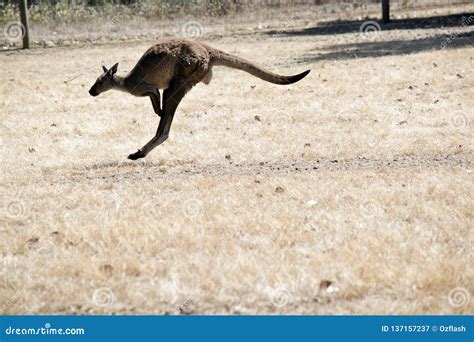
pixel 172 96
pixel 155 101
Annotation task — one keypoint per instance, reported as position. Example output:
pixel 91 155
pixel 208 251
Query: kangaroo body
pixel 167 60
pixel 176 65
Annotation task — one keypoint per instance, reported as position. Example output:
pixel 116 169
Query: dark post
pixel 24 21
pixel 385 11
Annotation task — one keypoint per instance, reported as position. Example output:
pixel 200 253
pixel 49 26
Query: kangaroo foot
pixel 137 155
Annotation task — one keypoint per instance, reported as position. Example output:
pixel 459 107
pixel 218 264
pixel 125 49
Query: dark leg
pixel 155 101
pixel 171 99
pixel 147 89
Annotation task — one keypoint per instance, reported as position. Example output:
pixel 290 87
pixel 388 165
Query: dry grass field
pixel 349 192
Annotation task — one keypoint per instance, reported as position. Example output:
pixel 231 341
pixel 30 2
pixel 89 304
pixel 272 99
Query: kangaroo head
pixel 105 81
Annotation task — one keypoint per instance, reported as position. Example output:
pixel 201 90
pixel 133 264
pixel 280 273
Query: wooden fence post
pixel 385 11
pixel 24 21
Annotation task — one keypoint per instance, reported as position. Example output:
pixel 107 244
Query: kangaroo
pixel 175 65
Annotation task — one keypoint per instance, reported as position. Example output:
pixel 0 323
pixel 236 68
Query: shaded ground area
pixel 390 48
pixel 354 26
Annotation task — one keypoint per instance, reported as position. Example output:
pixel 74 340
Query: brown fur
pixel 176 65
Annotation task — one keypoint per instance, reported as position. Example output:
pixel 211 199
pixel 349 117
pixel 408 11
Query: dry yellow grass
pixel 345 193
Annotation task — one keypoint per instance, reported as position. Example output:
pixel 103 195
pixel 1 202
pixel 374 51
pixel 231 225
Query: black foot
pixel 136 155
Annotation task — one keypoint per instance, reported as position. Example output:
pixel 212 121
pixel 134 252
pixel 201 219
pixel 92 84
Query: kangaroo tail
pixel 231 61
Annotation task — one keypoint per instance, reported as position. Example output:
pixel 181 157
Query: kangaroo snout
pixel 93 92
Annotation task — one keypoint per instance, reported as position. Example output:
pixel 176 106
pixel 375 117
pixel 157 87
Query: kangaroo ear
pixel 104 68
pixel 113 69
